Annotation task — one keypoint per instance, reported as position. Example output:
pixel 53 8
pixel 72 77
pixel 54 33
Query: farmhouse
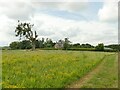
pixel 59 44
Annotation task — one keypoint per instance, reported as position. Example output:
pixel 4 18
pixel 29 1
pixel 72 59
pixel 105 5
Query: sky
pixel 82 21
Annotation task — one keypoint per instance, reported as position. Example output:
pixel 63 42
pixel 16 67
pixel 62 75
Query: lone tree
pixel 24 30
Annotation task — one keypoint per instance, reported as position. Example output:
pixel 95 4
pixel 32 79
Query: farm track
pixel 89 75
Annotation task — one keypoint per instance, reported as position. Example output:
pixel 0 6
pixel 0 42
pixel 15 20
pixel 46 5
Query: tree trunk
pixel 33 45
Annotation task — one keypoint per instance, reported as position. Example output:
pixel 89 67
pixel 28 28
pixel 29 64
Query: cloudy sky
pixel 81 21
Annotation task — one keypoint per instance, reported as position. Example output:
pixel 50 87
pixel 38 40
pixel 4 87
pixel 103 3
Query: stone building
pixel 59 44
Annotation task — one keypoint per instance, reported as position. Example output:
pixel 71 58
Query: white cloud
pixel 7 29
pixel 77 31
pixel 20 9
pixel 109 12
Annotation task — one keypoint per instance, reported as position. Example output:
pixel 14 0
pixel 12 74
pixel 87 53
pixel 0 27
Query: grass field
pixel 54 68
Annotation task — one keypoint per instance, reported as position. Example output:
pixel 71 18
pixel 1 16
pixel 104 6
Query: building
pixel 59 44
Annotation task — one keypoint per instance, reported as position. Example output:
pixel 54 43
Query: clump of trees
pixel 78 45
pixel 114 46
pixel 14 45
pixel 100 47
pixel 47 43
pixel 26 44
pixel 66 44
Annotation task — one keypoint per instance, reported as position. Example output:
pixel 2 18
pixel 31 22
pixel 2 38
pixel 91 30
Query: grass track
pixel 107 76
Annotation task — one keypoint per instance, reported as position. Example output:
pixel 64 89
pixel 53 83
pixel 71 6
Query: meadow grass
pixel 107 76
pixel 46 69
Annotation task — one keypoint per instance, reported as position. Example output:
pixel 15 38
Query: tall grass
pixel 46 69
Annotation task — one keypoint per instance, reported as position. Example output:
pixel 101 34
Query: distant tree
pixel 42 43
pixel 77 45
pixel 37 44
pixel 14 45
pixel 114 46
pixel 48 43
pixel 86 46
pixel 5 48
pixel 66 44
pixel 24 30
pixel 25 44
pixel 100 47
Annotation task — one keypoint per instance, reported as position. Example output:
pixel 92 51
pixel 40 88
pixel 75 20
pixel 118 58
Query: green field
pixel 55 68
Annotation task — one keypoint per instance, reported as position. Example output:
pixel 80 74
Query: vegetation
pixel 107 77
pixel 114 46
pixel 24 30
pixel 77 45
pixel 14 45
pixel 48 44
pixel 66 44
pixel 46 69
pixel 25 44
pixel 100 47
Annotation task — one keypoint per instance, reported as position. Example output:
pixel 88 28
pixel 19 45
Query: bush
pixel 14 45
pixel 100 47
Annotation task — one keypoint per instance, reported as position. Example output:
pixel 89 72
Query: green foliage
pixel 25 44
pixel 100 47
pixel 86 46
pixel 24 30
pixel 14 45
pixel 77 45
pixel 66 44
pixel 114 46
pixel 46 69
pixel 49 43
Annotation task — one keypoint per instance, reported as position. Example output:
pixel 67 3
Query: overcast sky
pixel 82 22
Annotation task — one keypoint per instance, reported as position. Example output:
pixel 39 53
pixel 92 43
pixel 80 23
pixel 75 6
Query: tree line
pixel 48 43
